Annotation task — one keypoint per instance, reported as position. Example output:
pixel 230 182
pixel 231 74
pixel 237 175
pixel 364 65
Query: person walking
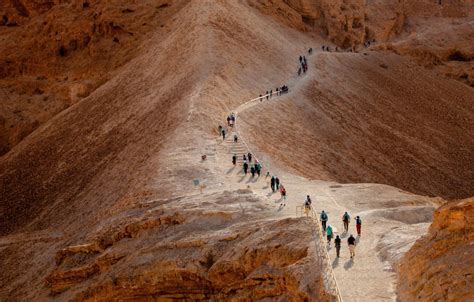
pixel 308 199
pixel 246 167
pixel 235 138
pixel 272 183
pixel 324 219
pixel 346 219
pixel 249 156
pixel 283 195
pixel 252 171
pixel 299 71
pixel 271 93
pixel 267 175
pixel 277 91
pixel 223 134
pixel 277 183
pixel 351 241
pixel 258 168
pixel 266 93
pixel 234 159
pixel 301 59
pixel 358 225
pixel 307 207
pixel 337 244
pixel 244 157
pixel 219 129
pixel 329 233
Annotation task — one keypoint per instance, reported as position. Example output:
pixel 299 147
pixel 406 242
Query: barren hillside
pixel 373 117
pixel 108 107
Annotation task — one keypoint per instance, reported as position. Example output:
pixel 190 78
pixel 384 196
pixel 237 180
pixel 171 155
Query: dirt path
pixel 364 278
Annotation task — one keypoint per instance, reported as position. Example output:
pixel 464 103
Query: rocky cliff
pixel 440 266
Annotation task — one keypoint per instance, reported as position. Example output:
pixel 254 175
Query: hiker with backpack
pixel 329 233
pixel 324 219
pixel 351 241
pixel 358 225
pixel 346 219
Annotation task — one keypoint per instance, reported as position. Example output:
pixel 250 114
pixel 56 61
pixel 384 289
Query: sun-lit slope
pixel 89 199
pixel 440 266
pixel 372 117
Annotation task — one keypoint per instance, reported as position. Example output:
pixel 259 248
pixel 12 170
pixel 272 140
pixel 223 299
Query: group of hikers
pixel 255 168
pixel 269 93
pixel 231 120
pixel 304 65
pixel 351 241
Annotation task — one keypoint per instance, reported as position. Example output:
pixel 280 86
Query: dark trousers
pixel 324 225
pixel 346 226
pixel 338 250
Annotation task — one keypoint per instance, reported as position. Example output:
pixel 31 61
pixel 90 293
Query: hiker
pixel 258 168
pixel 324 219
pixel 308 199
pixel 299 71
pixel 346 219
pixel 304 60
pixel 219 129
pixel 244 157
pixel 307 207
pixel 358 225
pixel 260 97
pixel 266 94
pixel 267 175
pixel 277 91
pixel 329 233
pixel 271 93
pixel 272 183
pixel 246 167
pixel 223 134
pixel 234 159
pixel 277 183
pixel 301 59
pixel 235 138
pixel 283 195
pixel 322 47
pixel 351 241
pixel 337 244
pixel 249 156
pixel 252 171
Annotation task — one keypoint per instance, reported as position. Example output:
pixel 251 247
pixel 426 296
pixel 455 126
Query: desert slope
pixel 373 117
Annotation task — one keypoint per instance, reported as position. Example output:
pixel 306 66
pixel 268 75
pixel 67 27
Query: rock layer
pixel 440 266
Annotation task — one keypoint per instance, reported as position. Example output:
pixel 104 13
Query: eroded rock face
pixel 440 266
pixel 55 53
pixel 219 251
